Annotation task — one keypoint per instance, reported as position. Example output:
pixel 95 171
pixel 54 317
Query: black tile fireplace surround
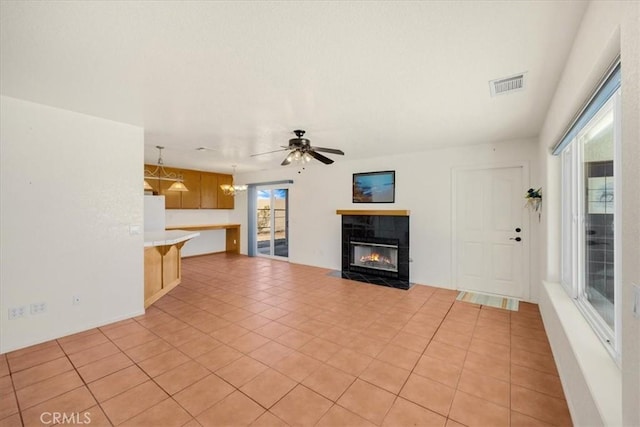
pixel 384 231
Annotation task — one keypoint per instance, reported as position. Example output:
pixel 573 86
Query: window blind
pixel 607 87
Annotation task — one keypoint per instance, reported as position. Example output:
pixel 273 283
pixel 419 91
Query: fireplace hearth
pixel 375 249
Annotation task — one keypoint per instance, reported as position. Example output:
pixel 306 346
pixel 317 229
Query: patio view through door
pixel 490 232
pixel 272 222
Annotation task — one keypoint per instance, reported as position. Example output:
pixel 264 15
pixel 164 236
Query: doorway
pixel 490 231
pixel 272 222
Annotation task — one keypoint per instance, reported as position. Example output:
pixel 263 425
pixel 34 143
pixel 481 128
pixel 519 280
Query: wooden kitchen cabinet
pixel 224 201
pixel 204 189
pixel 162 271
pixel 191 198
pixel 208 190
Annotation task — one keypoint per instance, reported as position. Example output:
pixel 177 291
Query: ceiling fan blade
pixel 318 156
pixel 329 150
pixel 269 152
pixel 288 159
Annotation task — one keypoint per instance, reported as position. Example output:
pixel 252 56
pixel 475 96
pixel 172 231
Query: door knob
pixel 517 239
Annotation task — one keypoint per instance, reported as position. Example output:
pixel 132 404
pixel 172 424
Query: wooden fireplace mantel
pixel 374 212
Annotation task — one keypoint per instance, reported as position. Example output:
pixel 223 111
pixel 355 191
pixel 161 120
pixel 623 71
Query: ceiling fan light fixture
pixel 290 157
pixel 301 151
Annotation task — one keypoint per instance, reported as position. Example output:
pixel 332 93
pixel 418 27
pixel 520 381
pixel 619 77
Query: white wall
pixel 209 241
pixel 70 189
pixel 423 185
pixel 608 28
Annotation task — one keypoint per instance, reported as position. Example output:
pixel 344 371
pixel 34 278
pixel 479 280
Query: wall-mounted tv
pixel 374 187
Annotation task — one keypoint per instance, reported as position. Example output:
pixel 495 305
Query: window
pixel 590 211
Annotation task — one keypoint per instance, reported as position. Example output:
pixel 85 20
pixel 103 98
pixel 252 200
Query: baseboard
pixel 72 331
pixel 204 254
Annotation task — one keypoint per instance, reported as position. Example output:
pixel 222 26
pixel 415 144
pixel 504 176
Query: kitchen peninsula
pixel 232 233
pixel 162 264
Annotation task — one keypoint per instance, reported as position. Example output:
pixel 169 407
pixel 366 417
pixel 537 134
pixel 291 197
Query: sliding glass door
pixel 272 220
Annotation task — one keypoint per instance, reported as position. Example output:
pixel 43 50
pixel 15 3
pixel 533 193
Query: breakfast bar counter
pixel 162 264
pixel 169 237
pixel 232 232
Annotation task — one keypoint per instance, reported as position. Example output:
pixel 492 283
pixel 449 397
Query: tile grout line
pixel 397 396
pixel 15 391
pixel 238 389
pixel 169 395
pixel 290 306
pixel 222 379
pixel 298 383
pixel 463 362
pixel 84 383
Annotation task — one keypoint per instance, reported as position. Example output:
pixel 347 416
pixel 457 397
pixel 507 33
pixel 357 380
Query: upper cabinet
pixel 208 190
pixel 191 198
pixel 204 190
pixel 225 201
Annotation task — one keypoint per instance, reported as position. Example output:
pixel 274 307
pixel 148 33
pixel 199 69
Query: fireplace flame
pixel 375 257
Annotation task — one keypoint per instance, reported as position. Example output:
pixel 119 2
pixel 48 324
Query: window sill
pixel 590 377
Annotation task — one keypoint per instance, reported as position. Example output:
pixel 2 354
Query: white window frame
pixel 573 230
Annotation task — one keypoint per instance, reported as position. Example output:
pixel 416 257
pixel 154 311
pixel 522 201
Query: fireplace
pixel 375 248
pixel 373 257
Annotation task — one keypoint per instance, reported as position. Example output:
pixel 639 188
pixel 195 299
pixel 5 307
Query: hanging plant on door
pixel 534 200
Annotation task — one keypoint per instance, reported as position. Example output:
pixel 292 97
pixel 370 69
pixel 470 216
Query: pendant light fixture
pixel 231 190
pixel 161 174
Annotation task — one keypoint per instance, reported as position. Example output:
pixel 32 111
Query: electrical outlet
pixel 17 312
pixel 76 300
pixel 38 308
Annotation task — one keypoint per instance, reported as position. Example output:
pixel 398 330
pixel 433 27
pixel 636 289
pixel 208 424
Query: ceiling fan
pixel 301 150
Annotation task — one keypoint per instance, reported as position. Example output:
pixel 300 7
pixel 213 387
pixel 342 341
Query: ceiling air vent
pixel 507 85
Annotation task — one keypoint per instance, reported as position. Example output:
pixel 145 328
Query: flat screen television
pixel 374 187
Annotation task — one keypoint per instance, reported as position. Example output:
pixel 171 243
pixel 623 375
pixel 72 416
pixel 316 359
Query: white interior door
pixel 491 245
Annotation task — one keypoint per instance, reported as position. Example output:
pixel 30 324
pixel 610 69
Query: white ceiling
pixel 371 78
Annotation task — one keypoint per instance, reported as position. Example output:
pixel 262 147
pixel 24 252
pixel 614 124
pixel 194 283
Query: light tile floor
pixel 251 341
